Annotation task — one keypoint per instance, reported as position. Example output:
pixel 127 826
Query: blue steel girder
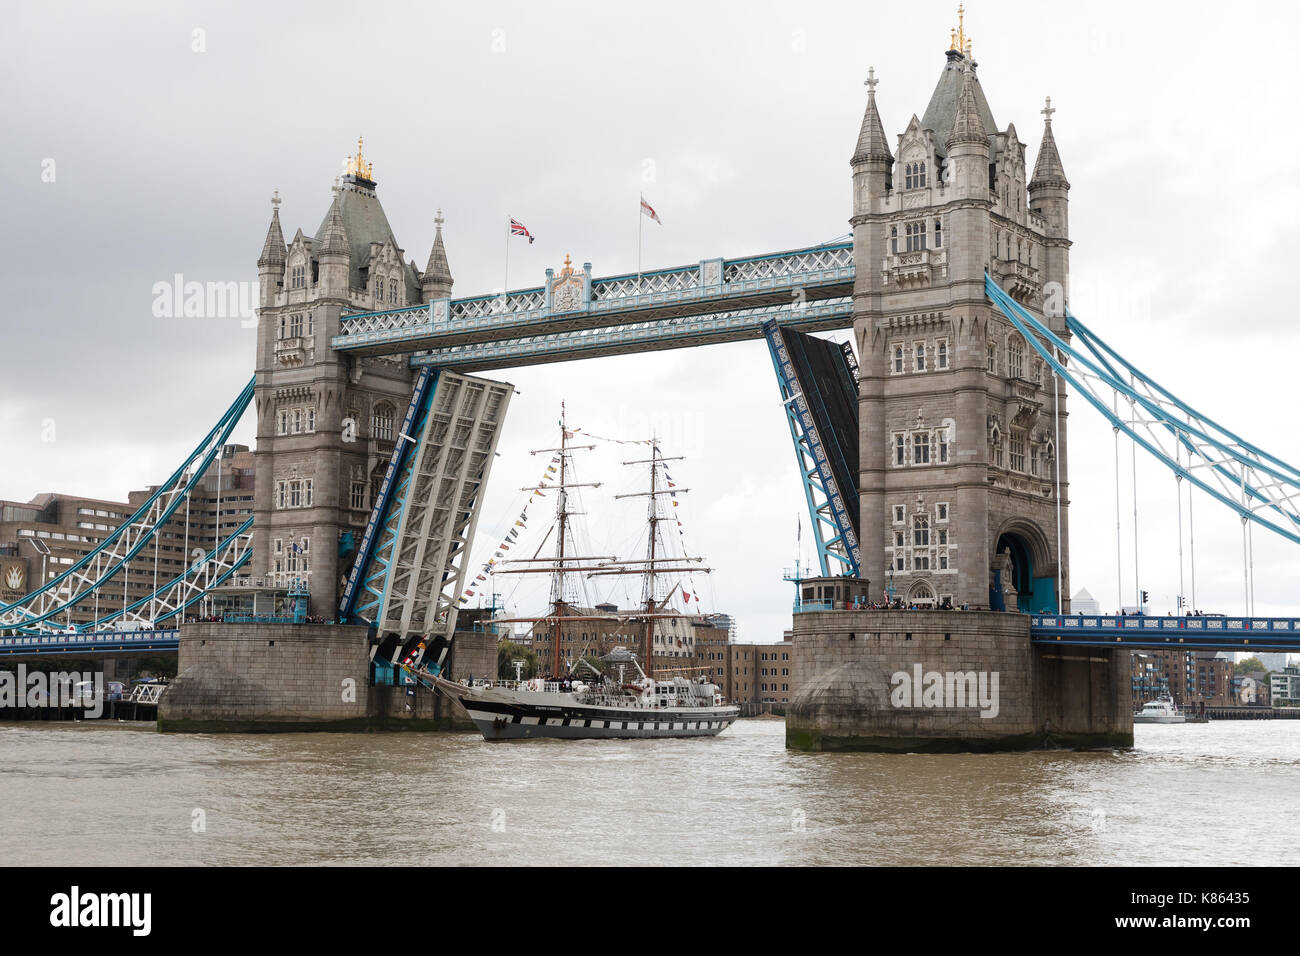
pixel 449 470
pixel 838 549
pixel 1256 486
pixel 799 276
pixel 99 642
pixel 1144 632
pixel 101 564
pixel 659 335
pixel 409 569
pixel 363 593
pixel 190 586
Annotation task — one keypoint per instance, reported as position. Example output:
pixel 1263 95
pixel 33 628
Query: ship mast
pixel 648 584
pixel 562 564
pixel 562 520
pixel 652 561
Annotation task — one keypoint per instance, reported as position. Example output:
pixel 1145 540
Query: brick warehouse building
pixel 1191 678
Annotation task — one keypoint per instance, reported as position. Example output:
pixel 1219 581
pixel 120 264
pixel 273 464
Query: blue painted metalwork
pixel 76 585
pixel 1265 483
pixel 363 595
pixel 237 562
pixel 837 543
pixel 100 642
pixel 671 333
pixel 1168 633
pixel 710 286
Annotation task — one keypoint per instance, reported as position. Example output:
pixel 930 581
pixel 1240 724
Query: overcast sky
pixel 1175 125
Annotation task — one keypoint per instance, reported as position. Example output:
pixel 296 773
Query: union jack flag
pixel 517 228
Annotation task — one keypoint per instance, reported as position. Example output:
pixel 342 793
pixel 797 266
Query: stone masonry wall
pixel 847 660
pixel 291 677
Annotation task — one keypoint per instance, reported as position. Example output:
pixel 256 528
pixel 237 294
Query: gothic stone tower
pixel 962 426
pixel 326 422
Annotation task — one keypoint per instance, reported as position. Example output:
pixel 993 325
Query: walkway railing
pixel 709 286
pixel 1146 631
pixel 96 642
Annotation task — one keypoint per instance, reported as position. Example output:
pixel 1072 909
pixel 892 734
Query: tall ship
pixel 598 691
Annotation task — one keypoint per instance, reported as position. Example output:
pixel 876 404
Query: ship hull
pixel 514 716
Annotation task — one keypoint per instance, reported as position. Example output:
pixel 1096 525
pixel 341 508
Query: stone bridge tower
pixel 326 422
pixel 963 432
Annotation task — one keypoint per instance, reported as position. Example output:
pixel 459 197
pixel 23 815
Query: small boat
pixel 1162 710
pixel 605 706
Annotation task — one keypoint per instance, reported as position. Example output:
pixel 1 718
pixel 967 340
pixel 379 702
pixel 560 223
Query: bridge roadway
pixel 1149 632
pixel 577 316
pixel 1145 632
pixel 96 642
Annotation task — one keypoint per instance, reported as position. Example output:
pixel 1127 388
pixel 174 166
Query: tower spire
pixel 1048 170
pixel 436 281
pixel 273 250
pixel 335 239
pixel 967 127
pixel 872 144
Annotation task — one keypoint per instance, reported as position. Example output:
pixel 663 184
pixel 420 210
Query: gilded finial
pixel 568 266
pixel 357 165
pixel 959 41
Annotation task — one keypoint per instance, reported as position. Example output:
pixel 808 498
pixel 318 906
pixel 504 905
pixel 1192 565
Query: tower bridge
pixel 933 453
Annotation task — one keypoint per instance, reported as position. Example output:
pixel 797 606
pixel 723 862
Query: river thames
pixel 1207 794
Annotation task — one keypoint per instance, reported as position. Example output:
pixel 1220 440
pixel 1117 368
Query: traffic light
pixel 1144 598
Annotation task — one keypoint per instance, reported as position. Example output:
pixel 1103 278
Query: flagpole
pixel 640 229
pixel 505 283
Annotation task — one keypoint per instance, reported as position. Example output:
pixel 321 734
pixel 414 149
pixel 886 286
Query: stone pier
pixel 923 682
pixel 280 678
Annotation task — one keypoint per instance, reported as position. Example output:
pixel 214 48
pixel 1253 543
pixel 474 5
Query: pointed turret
pixel 1048 170
pixel 968 126
pixel 436 281
pixel 273 250
pixel 334 253
pixel 334 239
pixel 872 161
pixel 1049 197
pixel 872 144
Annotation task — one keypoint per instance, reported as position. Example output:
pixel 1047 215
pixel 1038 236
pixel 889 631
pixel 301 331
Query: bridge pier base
pixel 950 682
pixel 282 678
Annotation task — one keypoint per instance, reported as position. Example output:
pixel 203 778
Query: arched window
pixel 379 289
pixel 938 234
pixel 922 594
pixel 392 291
